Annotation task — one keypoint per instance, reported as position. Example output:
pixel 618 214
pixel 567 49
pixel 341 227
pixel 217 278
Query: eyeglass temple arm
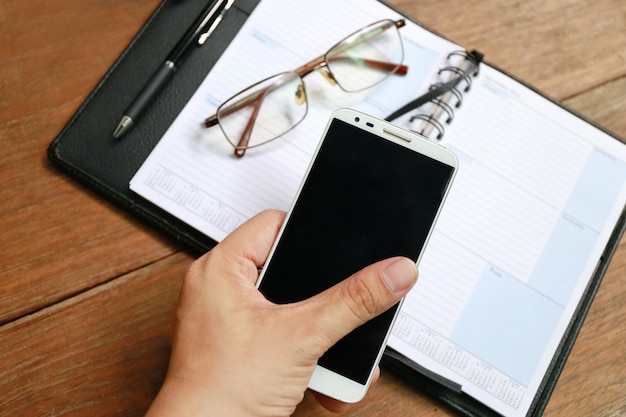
pixel 475 60
pixel 240 149
pixel 380 65
pixel 253 99
pixel 246 101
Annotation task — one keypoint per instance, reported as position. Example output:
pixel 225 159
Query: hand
pixel 236 354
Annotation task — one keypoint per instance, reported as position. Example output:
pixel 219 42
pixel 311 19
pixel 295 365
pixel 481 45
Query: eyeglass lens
pixel 264 111
pixel 367 57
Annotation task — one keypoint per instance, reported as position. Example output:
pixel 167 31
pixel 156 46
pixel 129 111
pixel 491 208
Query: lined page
pixel 535 200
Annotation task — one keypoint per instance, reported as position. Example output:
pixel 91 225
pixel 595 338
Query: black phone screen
pixel 365 199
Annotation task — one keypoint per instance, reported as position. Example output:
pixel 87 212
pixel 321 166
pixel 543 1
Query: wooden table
pixel 87 291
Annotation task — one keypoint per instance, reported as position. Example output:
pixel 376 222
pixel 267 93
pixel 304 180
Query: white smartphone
pixel 372 191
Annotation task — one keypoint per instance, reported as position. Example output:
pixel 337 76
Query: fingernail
pixel 400 275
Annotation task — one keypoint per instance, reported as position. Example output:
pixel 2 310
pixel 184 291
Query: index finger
pixel 253 240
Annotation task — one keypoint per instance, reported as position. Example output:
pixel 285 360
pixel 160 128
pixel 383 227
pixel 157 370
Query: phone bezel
pixel 324 380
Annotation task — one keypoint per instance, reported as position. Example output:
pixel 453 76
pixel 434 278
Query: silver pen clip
pixel 203 37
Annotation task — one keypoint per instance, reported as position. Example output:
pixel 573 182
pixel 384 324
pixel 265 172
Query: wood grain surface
pixel 87 291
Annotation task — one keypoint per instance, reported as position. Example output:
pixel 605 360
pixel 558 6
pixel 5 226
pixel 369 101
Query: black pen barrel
pixel 150 90
pixel 210 17
pixel 193 33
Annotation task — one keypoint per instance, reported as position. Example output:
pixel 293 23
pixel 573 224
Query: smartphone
pixel 372 191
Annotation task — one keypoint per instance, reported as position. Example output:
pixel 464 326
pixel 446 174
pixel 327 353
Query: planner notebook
pixel 527 232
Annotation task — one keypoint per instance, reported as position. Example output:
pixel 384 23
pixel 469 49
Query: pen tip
pixel 122 127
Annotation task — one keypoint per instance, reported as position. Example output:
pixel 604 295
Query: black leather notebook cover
pixel 86 150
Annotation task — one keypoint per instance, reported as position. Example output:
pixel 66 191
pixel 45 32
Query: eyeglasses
pixel 272 107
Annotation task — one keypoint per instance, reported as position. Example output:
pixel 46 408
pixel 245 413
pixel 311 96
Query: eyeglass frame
pixel 319 64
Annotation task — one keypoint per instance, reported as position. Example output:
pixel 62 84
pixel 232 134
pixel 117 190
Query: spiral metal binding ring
pixel 441 105
pixel 457 94
pixel 458 71
pixel 431 121
pixel 442 92
pixel 473 56
pixel 446 107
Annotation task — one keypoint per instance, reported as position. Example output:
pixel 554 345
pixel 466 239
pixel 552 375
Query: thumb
pixel 365 295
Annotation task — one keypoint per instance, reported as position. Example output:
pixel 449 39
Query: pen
pixel 196 34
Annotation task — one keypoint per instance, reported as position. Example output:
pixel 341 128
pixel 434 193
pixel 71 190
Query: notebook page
pixel 536 198
pixel 192 173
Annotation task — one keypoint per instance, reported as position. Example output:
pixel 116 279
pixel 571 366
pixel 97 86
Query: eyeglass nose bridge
pixel 321 66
